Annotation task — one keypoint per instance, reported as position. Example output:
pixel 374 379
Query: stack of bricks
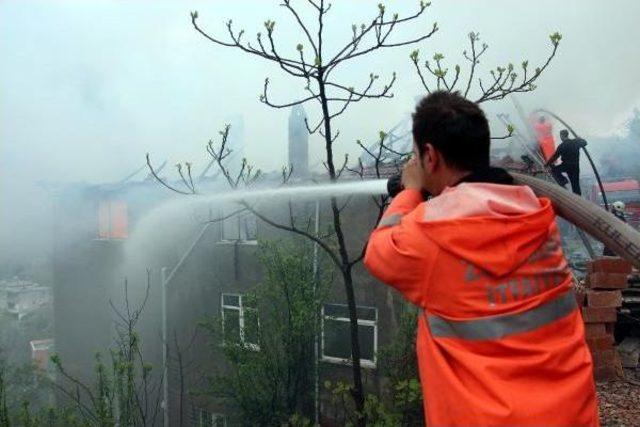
pixel 606 277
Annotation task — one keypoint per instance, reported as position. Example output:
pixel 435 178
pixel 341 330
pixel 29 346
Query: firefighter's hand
pixel 412 175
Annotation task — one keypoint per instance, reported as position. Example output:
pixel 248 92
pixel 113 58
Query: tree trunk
pixel 345 267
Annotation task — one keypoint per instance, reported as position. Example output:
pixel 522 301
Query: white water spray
pixel 377 186
pixel 172 219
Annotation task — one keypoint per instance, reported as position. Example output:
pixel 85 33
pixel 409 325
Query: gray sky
pixel 88 87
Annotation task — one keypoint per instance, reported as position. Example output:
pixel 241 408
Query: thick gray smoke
pixel 89 87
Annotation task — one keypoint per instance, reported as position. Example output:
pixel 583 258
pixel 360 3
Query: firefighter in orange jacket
pixel 544 133
pixel 500 338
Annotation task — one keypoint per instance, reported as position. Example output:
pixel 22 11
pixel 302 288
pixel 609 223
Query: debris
pixel 619 403
pixel 629 350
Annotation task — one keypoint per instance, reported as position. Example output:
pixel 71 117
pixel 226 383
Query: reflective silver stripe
pixel 496 327
pixel 390 220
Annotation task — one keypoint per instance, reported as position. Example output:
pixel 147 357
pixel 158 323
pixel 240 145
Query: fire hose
pixel 620 237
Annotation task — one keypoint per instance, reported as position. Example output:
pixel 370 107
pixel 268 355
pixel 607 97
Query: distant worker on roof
pixel 544 134
pixel 500 337
pixel 569 152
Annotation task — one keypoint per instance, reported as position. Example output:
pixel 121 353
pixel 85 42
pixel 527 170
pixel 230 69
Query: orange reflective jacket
pixel 500 341
pixel 544 133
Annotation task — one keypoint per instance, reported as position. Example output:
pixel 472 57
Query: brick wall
pixel 599 300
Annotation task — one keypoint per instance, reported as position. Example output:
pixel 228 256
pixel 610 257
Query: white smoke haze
pixel 87 88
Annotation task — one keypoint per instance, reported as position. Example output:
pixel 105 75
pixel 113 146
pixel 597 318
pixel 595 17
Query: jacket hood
pixel 494 227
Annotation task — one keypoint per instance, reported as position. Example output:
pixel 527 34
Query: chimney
pixel 298 142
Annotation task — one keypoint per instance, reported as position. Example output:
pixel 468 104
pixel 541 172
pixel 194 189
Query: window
pixel 240 320
pixel 336 335
pixel 112 220
pixel 240 227
pixel 205 418
pixel 40 351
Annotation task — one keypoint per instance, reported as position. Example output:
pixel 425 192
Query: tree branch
pixel 287 4
pixel 290 66
pixel 349 51
pixel 162 181
pixel 499 91
pixel 265 99
pixel 381 44
pixel 475 56
pixel 510 130
pixel 294 230
pixel 315 129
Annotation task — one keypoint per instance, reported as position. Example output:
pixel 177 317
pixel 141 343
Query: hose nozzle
pixel 395 186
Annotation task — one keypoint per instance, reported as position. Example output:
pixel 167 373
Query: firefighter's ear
pixel 430 158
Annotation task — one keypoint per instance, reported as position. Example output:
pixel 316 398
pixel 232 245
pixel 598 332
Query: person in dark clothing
pixel 617 209
pixel 569 152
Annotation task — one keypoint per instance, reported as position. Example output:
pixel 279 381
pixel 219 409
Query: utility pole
pixel 316 374
pixel 165 375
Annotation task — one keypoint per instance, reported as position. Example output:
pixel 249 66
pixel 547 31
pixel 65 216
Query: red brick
pixel 598 314
pixel 607 280
pixel 592 330
pixel 610 327
pixel 601 343
pixel 604 298
pixel 609 265
pixel 606 357
pixel 580 298
pixel 605 373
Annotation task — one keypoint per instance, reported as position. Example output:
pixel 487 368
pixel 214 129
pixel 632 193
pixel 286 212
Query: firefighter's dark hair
pixel 456 127
pixel 564 133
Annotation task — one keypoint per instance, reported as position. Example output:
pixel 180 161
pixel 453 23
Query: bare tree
pixel 124 393
pixel 503 81
pixel 316 67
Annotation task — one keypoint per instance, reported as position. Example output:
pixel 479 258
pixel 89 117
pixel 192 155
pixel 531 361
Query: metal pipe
pixel 188 252
pixel 165 346
pixel 316 349
pixel 165 379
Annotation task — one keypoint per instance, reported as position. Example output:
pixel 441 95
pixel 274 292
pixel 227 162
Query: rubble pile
pixel 619 403
pixel 606 277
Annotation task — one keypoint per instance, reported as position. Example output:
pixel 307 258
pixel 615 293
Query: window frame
pixel 238 219
pixel 241 308
pixel 113 220
pixel 365 363
pixel 206 418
